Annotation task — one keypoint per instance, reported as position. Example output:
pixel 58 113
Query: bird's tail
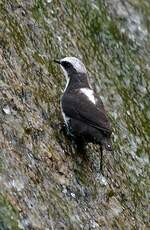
pixel 107 144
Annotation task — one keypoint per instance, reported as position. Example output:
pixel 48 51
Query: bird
pixel 82 109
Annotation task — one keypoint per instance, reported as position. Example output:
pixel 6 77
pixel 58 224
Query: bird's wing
pixel 77 106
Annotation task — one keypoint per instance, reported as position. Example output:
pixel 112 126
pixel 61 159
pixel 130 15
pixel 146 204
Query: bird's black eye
pixel 66 64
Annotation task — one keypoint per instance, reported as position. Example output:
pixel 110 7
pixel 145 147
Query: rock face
pixel 44 182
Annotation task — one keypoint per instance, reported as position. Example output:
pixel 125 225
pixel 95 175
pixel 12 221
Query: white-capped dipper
pixel 82 110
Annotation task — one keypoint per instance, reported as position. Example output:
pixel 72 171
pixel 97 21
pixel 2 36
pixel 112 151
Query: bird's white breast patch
pixel 89 93
pixel 66 119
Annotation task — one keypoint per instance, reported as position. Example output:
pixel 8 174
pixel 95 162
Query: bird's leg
pixel 63 128
pixel 101 160
pixel 81 147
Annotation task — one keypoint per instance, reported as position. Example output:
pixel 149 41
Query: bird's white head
pixel 70 65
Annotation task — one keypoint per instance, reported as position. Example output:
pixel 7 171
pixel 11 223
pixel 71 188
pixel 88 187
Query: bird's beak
pixel 57 61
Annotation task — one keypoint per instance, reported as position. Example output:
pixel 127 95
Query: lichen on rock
pixel 44 182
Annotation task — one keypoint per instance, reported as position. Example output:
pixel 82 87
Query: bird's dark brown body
pixel 87 121
pixel 82 109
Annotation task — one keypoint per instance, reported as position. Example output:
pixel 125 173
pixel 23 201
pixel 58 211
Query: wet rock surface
pixel 44 182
